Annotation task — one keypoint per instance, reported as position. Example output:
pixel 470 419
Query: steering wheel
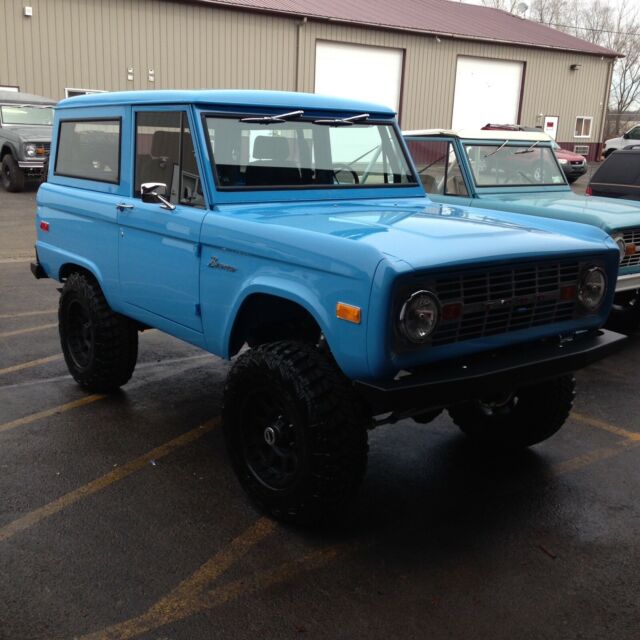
pixel 344 169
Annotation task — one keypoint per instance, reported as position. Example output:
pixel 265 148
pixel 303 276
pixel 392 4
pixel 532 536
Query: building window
pixel 582 149
pixel 72 93
pixel 583 127
pixel 9 87
pixel 89 150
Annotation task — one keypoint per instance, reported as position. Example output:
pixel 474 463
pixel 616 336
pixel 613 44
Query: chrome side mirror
pixel 156 192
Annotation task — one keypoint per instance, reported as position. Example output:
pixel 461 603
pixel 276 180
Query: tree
pixel 615 26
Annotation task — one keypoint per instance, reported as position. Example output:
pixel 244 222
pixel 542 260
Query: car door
pixel 159 245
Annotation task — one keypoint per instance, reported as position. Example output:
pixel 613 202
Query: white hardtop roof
pixel 482 134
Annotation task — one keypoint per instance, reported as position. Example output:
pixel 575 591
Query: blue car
pixel 291 233
pixel 517 171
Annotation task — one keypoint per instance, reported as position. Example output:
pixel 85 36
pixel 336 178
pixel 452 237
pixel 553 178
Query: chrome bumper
pixel 628 282
pixel 31 164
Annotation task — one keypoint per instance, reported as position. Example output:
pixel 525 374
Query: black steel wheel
pixel 11 174
pixel 100 346
pixel 295 432
pixel 520 418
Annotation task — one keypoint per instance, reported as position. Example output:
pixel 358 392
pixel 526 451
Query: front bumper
pixel 575 170
pixel 628 282
pixel 31 164
pixel 449 383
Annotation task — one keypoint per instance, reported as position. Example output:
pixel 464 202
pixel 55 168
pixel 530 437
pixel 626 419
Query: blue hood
pixel 416 231
pixel 610 214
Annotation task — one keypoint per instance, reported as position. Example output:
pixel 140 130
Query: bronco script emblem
pixel 215 264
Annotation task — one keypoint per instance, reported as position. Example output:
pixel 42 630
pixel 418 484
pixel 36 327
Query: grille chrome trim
pixel 631 236
pixel 497 300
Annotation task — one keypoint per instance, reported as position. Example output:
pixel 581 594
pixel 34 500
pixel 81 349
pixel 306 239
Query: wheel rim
pixel 6 174
pixel 79 334
pixel 270 442
pixel 498 405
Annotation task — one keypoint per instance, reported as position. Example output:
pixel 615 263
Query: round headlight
pixel 419 316
pixel 30 149
pixel 622 245
pixel 592 289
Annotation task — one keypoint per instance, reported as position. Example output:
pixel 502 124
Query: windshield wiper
pixel 281 117
pixel 529 150
pixel 339 122
pixel 502 146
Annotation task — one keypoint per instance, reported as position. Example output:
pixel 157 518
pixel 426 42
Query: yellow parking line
pixel 174 608
pixel 31 363
pixel 605 426
pixel 592 457
pixel 24 314
pixel 33 517
pixel 17 332
pixel 61 408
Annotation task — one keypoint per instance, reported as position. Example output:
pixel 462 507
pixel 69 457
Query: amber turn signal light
pixel 348 312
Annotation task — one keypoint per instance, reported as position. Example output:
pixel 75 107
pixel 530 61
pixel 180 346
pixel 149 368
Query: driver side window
pixel 438 167
pixel 165 154
pixel 634 134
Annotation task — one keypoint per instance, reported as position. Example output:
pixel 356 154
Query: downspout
pixel 299 27
pixel 605 109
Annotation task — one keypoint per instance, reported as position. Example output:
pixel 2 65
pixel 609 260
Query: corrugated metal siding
pixel 89 44
pixel 550 87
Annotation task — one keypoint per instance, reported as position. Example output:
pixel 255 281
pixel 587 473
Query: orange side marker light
pixel 348 312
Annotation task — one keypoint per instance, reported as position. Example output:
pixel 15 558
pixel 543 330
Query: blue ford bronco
pixel 518 171
pixel 291 231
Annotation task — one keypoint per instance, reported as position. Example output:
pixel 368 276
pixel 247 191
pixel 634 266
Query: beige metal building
pixel 439 63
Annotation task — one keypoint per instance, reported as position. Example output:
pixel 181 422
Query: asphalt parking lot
pixel 120 517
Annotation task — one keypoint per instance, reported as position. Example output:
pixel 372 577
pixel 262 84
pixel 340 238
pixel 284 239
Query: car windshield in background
pixel 24 114
pixel 516 166
pixel 262 152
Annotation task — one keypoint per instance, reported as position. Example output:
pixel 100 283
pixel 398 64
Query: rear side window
pixel 619 168
pixel 89 150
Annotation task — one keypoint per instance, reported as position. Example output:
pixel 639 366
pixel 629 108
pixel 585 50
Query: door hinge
pixel 198 310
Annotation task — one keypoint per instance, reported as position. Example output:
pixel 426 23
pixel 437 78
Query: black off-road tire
pixel 319 459
pixel 524 418
pixel 12 175
pixel 100 346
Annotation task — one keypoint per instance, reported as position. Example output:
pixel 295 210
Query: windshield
pixel 25 114
pixel 516 166
pixel 269 152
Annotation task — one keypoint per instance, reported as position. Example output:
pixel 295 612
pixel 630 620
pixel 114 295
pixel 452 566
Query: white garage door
pixel 486 91
pixel 373 74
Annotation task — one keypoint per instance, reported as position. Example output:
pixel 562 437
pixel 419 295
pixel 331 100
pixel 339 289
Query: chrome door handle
pixel 121 206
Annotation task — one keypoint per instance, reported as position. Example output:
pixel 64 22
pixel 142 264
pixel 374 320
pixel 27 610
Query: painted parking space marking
pixel 61 408
pixel 192 597
pixel 31 363
pixel 586 459
pixel 104 481
pixel 605 426
pixel 17 332
pixel 25 314
pixel 139 367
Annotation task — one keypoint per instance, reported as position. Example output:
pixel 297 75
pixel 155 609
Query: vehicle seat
pixel 272 165
pixel 159 166
pixel 429 183
pixel 456 186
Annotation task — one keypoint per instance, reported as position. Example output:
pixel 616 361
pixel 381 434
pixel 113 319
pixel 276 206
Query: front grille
pixel 504 299
pixel 578 163
pixel 632 237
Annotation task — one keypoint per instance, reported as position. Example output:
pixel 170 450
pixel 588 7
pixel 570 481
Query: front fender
pixel 347 341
